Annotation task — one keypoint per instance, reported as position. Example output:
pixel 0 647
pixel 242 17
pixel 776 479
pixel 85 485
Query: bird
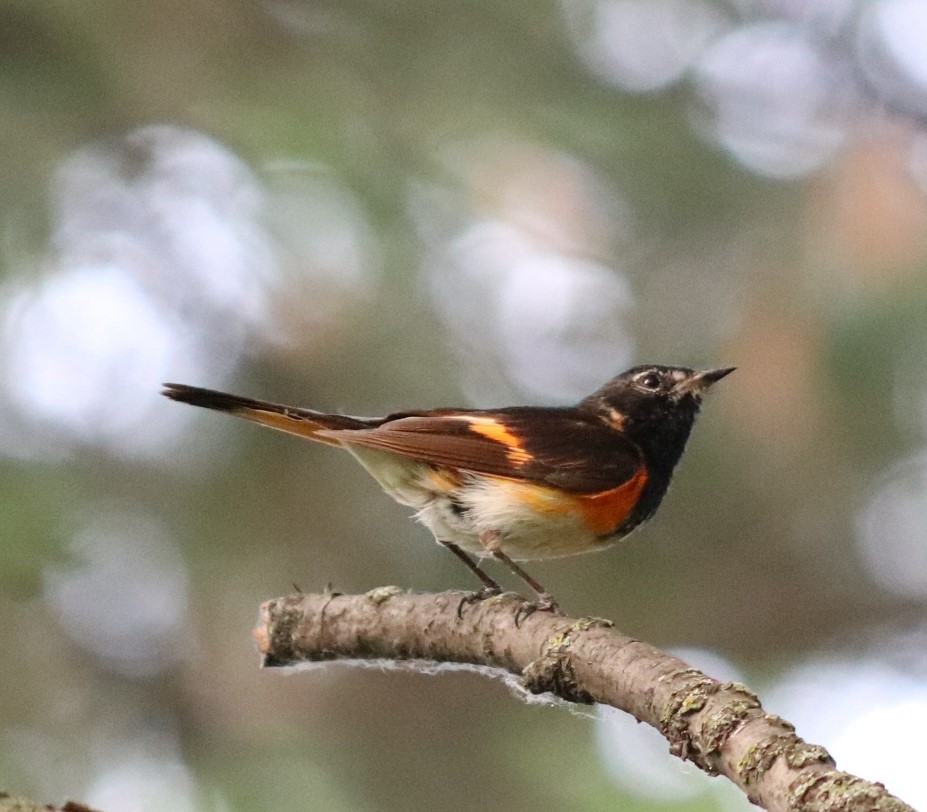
pixel 517 483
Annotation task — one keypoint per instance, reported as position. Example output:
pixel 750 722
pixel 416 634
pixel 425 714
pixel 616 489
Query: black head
pixel 655 407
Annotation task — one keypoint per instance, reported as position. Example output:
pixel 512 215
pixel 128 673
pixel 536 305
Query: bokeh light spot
pixel 892 530
pixel 86 350
pixel 892 56
pixel 773 98
pixel 642 45
pixel 125 599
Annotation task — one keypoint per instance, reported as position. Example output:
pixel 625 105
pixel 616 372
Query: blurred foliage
pixel 378 145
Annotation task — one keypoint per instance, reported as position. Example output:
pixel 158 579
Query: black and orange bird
pixel 517 483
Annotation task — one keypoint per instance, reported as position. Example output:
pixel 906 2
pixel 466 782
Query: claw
pixel 545 603
pixel 477 597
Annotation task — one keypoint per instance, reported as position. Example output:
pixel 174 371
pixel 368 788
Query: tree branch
pixel 720 727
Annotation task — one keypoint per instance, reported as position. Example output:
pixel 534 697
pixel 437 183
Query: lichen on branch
pixel 720 727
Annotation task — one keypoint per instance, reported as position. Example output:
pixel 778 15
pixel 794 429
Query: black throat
pixel 659 426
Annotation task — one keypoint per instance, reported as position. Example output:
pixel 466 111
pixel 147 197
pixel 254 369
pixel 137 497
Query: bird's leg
pixel 490 587
pixel 545 601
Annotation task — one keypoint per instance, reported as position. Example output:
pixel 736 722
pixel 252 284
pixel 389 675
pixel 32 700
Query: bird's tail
pixel 301 422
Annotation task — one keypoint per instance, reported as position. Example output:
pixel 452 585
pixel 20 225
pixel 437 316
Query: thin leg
pixel 475 568
pixel 541 592
pixel 492 542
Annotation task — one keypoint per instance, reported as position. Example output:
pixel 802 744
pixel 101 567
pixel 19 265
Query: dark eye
pixel 649 380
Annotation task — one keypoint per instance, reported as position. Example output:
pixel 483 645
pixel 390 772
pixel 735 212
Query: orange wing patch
pixel 498 432
pixel 605 511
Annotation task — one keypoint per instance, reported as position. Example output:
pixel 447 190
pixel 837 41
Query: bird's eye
pixel 649 380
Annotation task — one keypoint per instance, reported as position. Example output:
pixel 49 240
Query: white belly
pixel 526 528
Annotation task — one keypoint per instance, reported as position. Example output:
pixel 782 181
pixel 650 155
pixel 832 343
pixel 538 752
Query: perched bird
pixel 516 483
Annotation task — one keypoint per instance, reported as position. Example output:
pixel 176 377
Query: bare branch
pixel 721 727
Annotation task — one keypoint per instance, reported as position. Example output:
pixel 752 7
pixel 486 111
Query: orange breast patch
pixel 601 512
pixel 604 511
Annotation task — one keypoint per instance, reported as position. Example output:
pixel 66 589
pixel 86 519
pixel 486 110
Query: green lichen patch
pixel 719 726
pixel 554 673
pixel 690 697
pixel 808 754
pixel 381 594
pixel 797 753
pixel 836 791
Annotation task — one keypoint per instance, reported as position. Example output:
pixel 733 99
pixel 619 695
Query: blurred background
pixel 368 206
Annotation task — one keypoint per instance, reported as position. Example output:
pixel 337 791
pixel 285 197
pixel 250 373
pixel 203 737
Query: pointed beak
pixel 698 382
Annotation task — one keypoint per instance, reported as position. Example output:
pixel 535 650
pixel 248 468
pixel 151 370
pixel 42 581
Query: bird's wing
pixel 561 447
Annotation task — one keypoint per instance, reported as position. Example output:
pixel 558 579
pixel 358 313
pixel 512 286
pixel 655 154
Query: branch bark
pixel 720 727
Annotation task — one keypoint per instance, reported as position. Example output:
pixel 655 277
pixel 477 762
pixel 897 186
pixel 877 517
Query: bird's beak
pixel 698 382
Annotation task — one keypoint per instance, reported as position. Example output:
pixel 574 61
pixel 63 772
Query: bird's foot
pixel 543 603
pixel 477 597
